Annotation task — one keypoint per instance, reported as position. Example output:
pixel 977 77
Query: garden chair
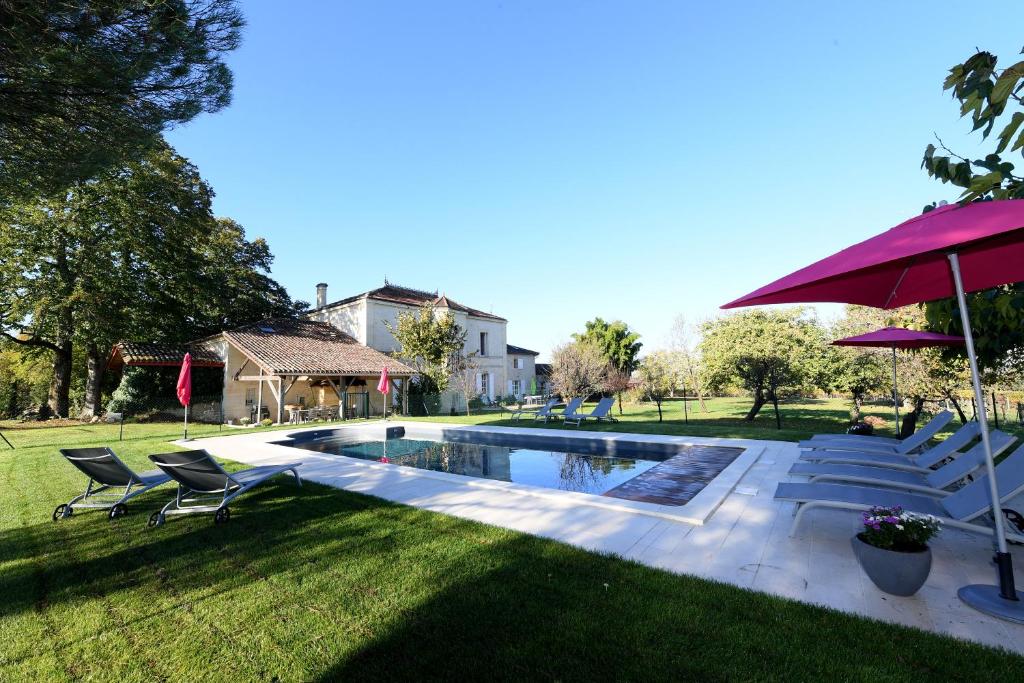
pixel 569 411
pixel 204 486
pixel 958 510
pixel 933 483
pixel 880 444
pixel 602 411
pixel 920 463
pixel 546 408
pixel 106 471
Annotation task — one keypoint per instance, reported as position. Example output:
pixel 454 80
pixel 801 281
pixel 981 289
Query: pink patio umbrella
pixel 946 252
pixel 184 388
pixel 384 386
pixel 899 338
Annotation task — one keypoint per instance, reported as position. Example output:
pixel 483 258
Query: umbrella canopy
pixel 907 264
pixel 184 388
pixel 383 386
pixel 901 338
pixel 948 251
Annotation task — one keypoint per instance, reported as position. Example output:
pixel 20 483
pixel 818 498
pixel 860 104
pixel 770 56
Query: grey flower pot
pixel 894 572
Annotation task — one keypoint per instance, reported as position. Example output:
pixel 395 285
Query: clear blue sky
pixel 555 161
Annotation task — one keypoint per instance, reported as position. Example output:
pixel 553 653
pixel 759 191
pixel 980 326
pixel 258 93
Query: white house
pixel 363 316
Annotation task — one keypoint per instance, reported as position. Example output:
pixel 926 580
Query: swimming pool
pixel 669 474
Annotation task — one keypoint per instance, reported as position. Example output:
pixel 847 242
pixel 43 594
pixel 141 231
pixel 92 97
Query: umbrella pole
pixel 999 601
pixel 895 392
pixel 186 424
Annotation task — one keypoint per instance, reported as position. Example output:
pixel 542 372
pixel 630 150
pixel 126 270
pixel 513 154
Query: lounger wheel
pixel 155 519
pixel 118 510
pixel 222 516
pixel 62 511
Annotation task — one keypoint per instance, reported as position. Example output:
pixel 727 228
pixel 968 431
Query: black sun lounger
pixel 106 474
pixel 204 486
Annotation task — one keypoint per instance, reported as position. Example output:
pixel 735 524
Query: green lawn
pixel 320 584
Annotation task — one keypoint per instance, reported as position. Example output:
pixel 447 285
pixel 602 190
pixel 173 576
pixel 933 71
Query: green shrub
pixel 266 422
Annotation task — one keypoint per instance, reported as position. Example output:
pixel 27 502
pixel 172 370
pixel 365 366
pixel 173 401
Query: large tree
pixel 620 347
pixel 993 98
pixel 856 371
pixel 87 85
pixel 764 352
pixel 578 370
pixel 134 253
pixel 432 343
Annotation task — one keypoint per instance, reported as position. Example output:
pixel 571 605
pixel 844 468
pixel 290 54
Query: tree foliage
pixel 578 370
pixel 134 253
pixel 619 346
pixel 856 371
pixel 763 351
pixel 432 344
pixel 993 98
pixel 84 86
pixel 656 378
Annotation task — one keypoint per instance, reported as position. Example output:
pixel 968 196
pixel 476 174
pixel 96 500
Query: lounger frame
pixel 100 496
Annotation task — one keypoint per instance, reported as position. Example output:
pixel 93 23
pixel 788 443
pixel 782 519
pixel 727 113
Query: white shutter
pixel 479 384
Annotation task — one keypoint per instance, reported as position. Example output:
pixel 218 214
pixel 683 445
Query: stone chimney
pixel 321 295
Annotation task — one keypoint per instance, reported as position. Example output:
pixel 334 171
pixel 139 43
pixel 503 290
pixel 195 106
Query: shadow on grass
pixel 329 585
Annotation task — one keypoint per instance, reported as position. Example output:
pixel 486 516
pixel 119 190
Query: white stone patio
pixel 744 542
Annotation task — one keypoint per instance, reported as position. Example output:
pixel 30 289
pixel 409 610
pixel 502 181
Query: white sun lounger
pixel 204 486
pixel 959 510
pixel 920 463
pixel 106 472
pixel 934 483
pixel 877 444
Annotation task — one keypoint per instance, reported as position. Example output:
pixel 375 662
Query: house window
pixel 517 388
pixel 250 397
pixel 483 384
pixel 483 343
pixel 517 363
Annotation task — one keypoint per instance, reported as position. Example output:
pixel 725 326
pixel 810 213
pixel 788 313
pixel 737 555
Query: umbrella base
pixel 989 600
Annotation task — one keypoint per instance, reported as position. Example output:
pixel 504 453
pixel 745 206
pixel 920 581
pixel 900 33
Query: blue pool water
pixel 536 466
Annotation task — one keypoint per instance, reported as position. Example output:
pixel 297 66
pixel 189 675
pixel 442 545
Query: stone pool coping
pixel 696 511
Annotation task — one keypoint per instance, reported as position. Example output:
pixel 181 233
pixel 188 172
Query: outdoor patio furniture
pixel 106 471
pixel 204 486
pixel 569 411
pixel 934 483
pixel 601 412
pixel 516 414
pixel 959 510
pixel 920 463
pixel 871 443
pixel 944 415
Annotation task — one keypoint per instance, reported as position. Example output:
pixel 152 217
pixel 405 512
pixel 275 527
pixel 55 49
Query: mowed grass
pixel 314 583
pixel 801 418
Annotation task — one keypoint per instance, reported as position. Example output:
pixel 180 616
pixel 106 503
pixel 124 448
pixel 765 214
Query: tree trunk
pixel 93 383
pixel 775 404
pixel 60 384
pixel 910 419
pixel 858 403
pixel 956 404
pixel 620 403
pixel 759 402
pixel 658 401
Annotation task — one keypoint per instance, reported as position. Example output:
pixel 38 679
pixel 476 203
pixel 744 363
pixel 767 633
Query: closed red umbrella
pixel 185 386
pixel 945 252
pixel 899 338
pixel 384 386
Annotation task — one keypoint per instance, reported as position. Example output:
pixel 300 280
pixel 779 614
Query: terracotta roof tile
pixel 146 353
pixel 309 347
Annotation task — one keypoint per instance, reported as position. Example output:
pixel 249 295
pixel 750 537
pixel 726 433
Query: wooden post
pixel 405 396
pixel 280 400
pixel 259 398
